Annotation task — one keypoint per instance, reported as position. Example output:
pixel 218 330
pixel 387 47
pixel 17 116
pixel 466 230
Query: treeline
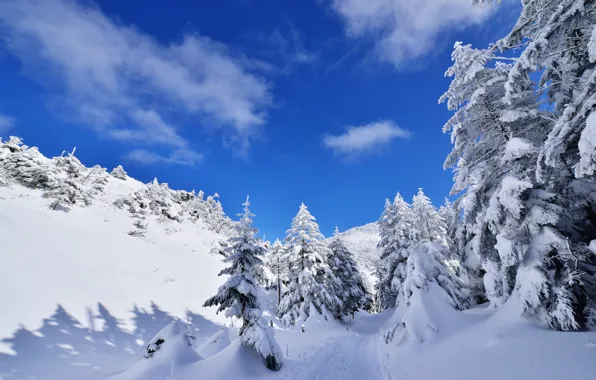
pixel 66 183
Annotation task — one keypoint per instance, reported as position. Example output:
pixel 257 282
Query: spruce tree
pixel 527 165
pixel 386 247
pixel 278 266
pixel 311 283
pixel 351 290
pixel 238 296
pixel 396 237
pixel 427 224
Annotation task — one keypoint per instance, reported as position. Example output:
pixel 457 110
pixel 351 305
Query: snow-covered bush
pixel 429 295
pixel 119 172
pixel 26 166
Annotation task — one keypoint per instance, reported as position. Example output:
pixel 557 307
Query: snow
pixel 587 147
pixel 592 246
pixel 495 347
pixel 592 45
pixel 85 257
pixel 517 147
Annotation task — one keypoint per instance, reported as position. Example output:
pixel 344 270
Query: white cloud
pixel 403 30
pixel 127 85
pixel 180 157
pixel 359 140
pixel 6 123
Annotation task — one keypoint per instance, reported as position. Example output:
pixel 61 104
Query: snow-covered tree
pixel 428 285
pixel 278 266
pixel 25 165
pixel 396 227
pixel 69 188
pixel 527 168
pixel 95 180
pixel 350 290
pixel 426 264
pixel 451 220
pixel 119 172
pixel 238 296
pixel 217 219
pixel 427 224
pixel 311 285
pixel 387 246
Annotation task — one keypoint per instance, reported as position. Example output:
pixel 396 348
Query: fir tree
pixel 238 296
pixel 311 282
pixel 351 290
pixel 396 227
pixel 528 167
pixel 278 266
pixel 427 224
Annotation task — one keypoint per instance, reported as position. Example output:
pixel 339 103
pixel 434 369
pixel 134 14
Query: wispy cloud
pixel 127 85
pixel 6 123
pixel 404 30
pixel 180 157
pixel 364 139
pixel 283 49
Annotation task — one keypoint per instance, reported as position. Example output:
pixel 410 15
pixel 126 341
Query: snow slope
pixel 84 262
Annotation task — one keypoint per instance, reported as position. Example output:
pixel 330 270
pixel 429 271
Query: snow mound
pixel 167 351
pixel 215 344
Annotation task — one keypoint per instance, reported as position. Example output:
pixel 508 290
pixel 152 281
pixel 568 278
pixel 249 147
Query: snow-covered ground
pixel 86 264
pixel 80 299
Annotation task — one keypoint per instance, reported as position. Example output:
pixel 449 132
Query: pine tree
pixel 387 247
pixel 238 296
pixel 428 225
pixel 351 290
pixel 311 282
pixel 278 266
pixel 451 220
pixel 396 226
pixel 527 212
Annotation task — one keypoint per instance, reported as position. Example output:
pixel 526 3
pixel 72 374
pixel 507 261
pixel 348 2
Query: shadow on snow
pixel 65 349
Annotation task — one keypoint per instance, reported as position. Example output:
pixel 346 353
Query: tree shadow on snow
pixel 64 349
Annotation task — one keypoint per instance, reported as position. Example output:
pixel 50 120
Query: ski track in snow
pixel 350 356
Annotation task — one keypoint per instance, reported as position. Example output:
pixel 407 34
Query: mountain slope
pixel 80 293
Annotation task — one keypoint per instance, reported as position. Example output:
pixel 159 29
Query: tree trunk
pixel 278 290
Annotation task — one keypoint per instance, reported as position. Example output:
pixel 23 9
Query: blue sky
pixel 328 102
